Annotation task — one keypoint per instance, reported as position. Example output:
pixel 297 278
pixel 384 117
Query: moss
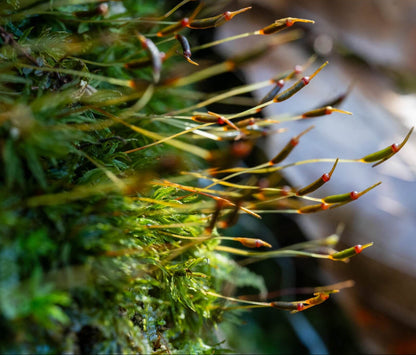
pixel 109 243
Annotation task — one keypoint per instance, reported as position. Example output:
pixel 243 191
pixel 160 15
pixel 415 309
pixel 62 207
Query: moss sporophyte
pixel 119 183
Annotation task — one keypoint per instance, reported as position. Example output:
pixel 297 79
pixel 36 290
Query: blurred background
pixel 371 48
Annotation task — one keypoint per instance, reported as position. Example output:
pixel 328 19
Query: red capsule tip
pixel 241 149
pixel 325 177
pixel 185 22
pixel 358 249
pixel 395 148
pixel 328 110
pixel 258 243
pixel 324 206
pixel 306 80
pixel 294 142
pixel 298 69
pixel 280 83
pixel 354 195
pixel 300 307
pixel 289 22
pixel 102 8
pixel 144 43
pixel 286 190
pixel 220 121
pixel 228 15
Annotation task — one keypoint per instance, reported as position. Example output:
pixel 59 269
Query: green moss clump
pixel 81 267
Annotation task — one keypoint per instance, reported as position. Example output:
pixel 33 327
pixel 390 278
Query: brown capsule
pixel 173 28
pixel 154 55
pixel 298 85
pixel 214 117
pixel 215 20
pixel 345 254
pixel 386 153
pixel 339 99
pixel 252 242
pixel 349 196
pixel 288 148
pixel 186 48
pixel 246 122
pixel 317 183
pixel 327 110
pixel 313 208
pixel 100 9
pixel 288 306
pixel 281 24
pixel 285 151
pixel 273 92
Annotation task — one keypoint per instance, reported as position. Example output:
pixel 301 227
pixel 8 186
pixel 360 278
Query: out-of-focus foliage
pixel 80 269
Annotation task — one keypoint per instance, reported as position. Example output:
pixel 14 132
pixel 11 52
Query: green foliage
pixel 80 270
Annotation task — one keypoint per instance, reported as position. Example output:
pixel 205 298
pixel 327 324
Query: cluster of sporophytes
pixel 118 185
